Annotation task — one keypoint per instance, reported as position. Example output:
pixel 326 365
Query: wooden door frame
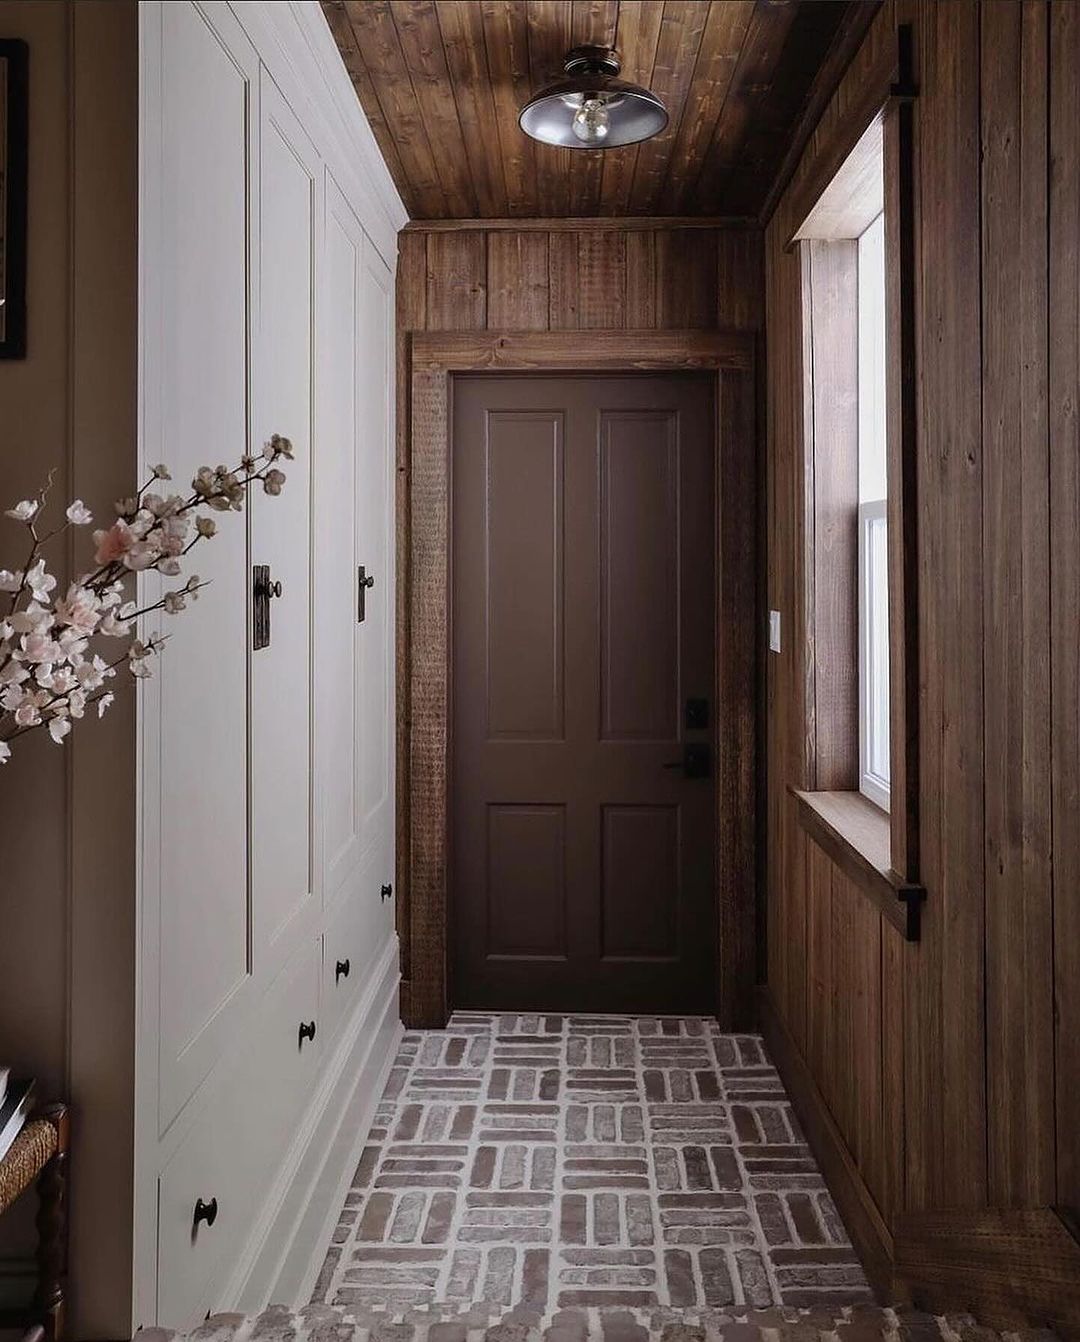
pixel 425 649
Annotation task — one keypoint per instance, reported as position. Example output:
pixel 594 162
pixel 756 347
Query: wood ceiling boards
pixel 441 82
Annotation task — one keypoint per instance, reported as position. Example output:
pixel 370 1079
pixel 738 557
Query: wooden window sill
pixel 855 834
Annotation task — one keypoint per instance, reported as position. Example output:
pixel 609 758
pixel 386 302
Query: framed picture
pixel 13 148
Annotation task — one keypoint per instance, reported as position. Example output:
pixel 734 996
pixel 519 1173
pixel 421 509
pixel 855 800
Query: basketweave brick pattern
pixel 549 1163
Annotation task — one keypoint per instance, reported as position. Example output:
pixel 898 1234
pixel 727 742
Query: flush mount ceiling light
pixel 591 108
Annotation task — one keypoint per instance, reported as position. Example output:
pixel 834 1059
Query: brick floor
pixel 546 1163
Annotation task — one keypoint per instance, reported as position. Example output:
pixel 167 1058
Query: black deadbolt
pixel 697 714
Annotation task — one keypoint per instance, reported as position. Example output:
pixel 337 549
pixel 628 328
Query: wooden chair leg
pixel 49 1302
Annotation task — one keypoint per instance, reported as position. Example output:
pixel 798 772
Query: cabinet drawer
pixel 344 948
pixel 230 1156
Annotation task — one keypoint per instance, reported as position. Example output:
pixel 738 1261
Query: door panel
pixel 582 621
pixel 338 432
pixel 523 567
pixel 526 881
pixel 640 862
pixel 639 575
pixel 281 849
pixel 203 804
pixel 375 509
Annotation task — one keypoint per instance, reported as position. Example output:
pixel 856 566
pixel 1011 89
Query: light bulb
pixel 591 122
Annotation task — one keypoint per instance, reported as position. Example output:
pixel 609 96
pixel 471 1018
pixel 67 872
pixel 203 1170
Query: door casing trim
pixel 424 660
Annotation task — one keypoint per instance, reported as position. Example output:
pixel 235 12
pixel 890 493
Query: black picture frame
pixel 15 58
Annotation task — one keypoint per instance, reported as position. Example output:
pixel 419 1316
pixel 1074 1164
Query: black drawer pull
pixel 307 1031
pixel 385 892
pixel 341 970
pixel 204 1211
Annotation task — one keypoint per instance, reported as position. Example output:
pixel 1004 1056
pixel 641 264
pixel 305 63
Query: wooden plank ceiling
pixel 441 82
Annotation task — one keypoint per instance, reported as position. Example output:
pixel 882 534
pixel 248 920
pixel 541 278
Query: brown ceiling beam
pixel 584 224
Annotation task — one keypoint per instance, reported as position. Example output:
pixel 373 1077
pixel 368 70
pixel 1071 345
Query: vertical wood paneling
pixel 517 283
pixel 602 280
pixel 1016 595
pixel 686 274
pixel 1064 414
pixel 740 279
pixel 564 281
pixel 947 1124
pixel 967 1039
pixel 456 281
pixel 641 281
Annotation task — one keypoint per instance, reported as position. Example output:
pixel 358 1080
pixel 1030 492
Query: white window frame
pixel 874 716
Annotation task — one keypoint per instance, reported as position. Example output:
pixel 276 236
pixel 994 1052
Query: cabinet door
pixel 339 808
pixel 282 531
pixel 375 505
pixel 197 396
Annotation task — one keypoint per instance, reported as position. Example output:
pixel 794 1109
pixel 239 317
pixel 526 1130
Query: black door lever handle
pixel 696 761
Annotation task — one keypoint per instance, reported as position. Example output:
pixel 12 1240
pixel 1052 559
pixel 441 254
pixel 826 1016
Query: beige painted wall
pixel 67 817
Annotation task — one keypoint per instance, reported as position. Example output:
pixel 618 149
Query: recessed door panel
pixel 526 881
pixel 523 528
pixel 374 502
pixel 206 144
pixel 640 863
pixel 281 728
pixel 582 570
pixel 338 430
pixel 639 575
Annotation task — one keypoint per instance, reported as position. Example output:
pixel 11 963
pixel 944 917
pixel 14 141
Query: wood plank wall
pixel 951 1067
pixel 562 279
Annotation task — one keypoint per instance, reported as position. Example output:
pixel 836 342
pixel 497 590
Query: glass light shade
pixel 572 112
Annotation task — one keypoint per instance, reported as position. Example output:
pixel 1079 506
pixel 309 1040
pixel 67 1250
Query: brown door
pixel 583 683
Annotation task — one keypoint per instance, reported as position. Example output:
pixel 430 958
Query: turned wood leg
pixel 52 1229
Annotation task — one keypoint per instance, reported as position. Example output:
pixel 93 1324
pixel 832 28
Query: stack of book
pixel 16 1101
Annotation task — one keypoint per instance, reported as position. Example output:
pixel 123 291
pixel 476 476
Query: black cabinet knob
pixel 341 970
pixel 307 1031
pixel 385 892
pixel 204 1211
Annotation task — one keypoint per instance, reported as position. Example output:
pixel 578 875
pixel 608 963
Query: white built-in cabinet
pixel 267 236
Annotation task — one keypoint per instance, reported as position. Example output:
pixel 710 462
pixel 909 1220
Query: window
pixel 873 563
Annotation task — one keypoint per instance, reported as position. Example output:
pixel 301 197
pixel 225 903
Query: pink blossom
pixel 114 543
pixel 79 609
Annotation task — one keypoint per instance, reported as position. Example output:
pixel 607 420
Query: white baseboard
pixel 285 1251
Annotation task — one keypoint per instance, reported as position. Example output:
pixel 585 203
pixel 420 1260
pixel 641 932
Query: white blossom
pixel 5 752
pixel 104 704
pixel 24 511
pixel 10 581
pixel 78 514
pixel 39 582
pixel 59 726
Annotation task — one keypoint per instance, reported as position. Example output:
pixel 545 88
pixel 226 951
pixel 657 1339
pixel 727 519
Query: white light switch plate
pixel 774 631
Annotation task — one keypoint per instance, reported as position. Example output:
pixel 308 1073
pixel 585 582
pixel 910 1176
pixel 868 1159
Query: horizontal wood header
pixel 623 223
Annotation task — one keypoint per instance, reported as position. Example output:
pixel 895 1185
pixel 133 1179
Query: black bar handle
pixel 341 970
pixel 306 1031
pixel 204 1211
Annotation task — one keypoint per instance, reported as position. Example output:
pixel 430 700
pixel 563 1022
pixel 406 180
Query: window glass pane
pixel 878 633
pixel 873 527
